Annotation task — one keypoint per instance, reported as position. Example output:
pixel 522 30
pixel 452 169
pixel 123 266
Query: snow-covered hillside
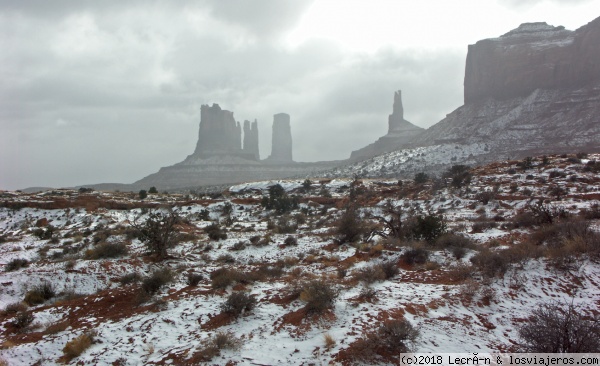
pixel 103 310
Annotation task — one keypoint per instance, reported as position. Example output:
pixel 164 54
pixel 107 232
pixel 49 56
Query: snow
pixel 474 315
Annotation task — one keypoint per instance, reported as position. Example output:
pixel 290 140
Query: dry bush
pixel 240 245
pixel 415 255
pixel 193 279
pixel 238 303
pixel 591 213
pixel 215 232
pixel 77 346
pixel 22 320
pixel 212 346
pixel 129 278
pixel 367 293
pixel 491 263
pixel 56 327
pixel 158 278
pixel 226 258
pixel 39 294
pixel 350 226
pixel 14 308
pixel 290 240
pixel 318 295
pixel 460 272
pixel 369 274
pixel 16 264
pixel 560 328
pixel 329 341
pixel 107 250
pixel 389 269
pixel 386 343
pixel 223 277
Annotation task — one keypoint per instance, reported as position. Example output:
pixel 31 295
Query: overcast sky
pixel 110 91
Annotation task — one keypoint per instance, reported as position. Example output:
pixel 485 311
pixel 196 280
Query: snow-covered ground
pixel 453 305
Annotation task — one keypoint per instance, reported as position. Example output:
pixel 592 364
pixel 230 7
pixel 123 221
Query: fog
pixel 111 91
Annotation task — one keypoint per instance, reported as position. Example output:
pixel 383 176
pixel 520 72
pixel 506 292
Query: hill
pixel 296 272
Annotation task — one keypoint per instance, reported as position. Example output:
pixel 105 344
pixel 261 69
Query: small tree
pixel 278 200
pixel 560 328
pixel 153 190
pixel 306 185
pixel 350 226
pixel 421 178
pixel 143 194
pixel 158 232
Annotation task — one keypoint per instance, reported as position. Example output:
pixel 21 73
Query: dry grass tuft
pixel 329 341
pixel 77 346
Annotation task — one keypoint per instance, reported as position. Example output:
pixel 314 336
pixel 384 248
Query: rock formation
pixel 281 147
pixel 534 90
pixel 219 133
pixel 250 147
pixel 400 133
pixel 533 56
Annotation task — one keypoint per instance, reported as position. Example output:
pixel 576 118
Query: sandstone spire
pixel 281 147
pixel 219 133
pixel 251 139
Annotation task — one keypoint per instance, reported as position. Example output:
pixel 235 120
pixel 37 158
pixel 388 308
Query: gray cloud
pixel 98 91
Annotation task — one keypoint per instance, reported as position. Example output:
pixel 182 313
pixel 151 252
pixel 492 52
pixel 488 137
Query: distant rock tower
pixel 251 139
pixel 219 133
pixel 396 122
pixel 281 147
pixel 401 133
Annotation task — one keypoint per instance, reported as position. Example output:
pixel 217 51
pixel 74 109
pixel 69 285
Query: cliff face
pixel 535 89
pixel 533 56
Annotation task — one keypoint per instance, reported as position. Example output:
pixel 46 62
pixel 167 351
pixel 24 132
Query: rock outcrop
pixel 533 56
pixel 534 90
pixel 219 133
pixel 250 147
pixel 400 133
pixel 281 147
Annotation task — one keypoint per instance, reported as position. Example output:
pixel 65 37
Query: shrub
pixel 591 213
pixel 369 274
pixel 223 277
pixel 416 255
pixel 130 278
pixel 290 240
pixel 77 346
pixel 451 240
pixel 39 293
pixel 485 197
pixel 491 263
pixel 158 232
pixel 212 346
pixel 240 245
pixel 421 178
pixel 428 227
pixel 350 227
pixel 279 200
pixel 193 279
pixel 22 320
pixel 560 328
pixel 389 269
pixel 16 264
pixel 158 278
pixel 318 296
pixel 215 232
pixel 152 190
pixel 386 343
pixel 143 194
pixel 237 303
pixel 14 308
pixel 107 250
pixel 459 174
